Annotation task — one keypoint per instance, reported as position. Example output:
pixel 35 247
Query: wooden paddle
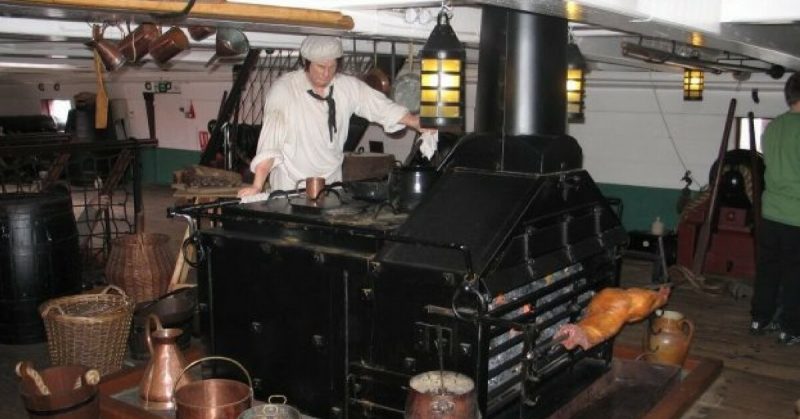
pixel 101 102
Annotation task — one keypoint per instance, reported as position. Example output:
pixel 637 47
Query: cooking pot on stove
pixel 373 190
pixel 407 185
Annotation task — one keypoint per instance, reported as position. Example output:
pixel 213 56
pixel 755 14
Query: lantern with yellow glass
pixel 442 78
pixel 693 81
pixel 576 83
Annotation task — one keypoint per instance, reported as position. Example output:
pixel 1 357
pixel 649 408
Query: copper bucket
pixel 65 392
pixel 137 44
pixel 441 395
pixel 168 45
pixel 213 398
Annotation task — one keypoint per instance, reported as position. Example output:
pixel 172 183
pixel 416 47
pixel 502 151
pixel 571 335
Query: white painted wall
pixel 173 129
pixel 625 140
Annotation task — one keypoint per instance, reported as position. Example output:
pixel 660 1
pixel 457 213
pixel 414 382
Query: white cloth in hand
pixel 430 141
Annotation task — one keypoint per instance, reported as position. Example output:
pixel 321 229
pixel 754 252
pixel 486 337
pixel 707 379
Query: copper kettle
pixel 164 368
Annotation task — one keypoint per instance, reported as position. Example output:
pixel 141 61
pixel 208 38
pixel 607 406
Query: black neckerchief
pixel 331 109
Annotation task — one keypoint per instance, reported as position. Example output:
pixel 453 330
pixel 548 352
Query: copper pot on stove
pixel 441 395
pixel 137 44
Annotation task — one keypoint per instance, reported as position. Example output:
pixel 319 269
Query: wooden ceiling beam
pixel 208 10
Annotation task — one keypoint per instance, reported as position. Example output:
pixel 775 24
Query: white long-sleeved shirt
pixel 295 128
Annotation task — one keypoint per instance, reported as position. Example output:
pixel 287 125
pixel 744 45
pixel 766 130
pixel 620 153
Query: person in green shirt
pixel 776 297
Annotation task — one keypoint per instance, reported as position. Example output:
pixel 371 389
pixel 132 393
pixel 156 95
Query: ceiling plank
pixel 224 11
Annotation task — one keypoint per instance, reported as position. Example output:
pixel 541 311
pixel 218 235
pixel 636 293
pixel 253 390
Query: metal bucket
pixel 213 398
pixel 441 395
pixel 275 408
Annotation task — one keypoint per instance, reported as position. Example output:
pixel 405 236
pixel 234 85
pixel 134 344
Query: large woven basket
pixel 141 265
pixel 88 329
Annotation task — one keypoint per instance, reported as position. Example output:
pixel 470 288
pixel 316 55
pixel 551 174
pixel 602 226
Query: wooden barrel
pixel 39 260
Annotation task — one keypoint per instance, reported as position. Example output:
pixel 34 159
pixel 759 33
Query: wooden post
pixel 705 230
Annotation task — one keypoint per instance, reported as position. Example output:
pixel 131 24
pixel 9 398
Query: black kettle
pixel 407 185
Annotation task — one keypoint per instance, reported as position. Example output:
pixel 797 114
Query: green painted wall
pixel 159 163
pixel 641 204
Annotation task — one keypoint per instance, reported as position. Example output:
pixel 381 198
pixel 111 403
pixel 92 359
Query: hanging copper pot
pixel 375 77
pixel 110 55
pixel 137 44
pixel 378 80
pixel 199 33
pixel 168 45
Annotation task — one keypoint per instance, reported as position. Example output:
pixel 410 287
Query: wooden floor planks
pixel 760 379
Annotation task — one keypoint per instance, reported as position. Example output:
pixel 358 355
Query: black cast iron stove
pixel 338 308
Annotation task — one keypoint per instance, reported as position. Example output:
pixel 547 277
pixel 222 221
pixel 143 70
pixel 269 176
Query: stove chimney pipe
pixel 523 90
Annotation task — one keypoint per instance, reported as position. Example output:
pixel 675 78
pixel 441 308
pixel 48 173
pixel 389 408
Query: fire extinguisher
pixel 190 111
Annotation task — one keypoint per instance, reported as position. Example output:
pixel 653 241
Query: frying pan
pixel 375 77
pixel 373 190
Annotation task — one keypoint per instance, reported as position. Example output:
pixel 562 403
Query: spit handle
pixel 184 209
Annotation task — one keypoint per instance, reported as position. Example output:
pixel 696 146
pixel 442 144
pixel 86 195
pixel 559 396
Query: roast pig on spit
pixel 608 311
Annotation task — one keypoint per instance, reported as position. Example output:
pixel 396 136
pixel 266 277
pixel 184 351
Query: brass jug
pixel 668 337
pixel 163 369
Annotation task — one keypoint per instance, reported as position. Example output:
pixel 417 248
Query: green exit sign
pixel 161 86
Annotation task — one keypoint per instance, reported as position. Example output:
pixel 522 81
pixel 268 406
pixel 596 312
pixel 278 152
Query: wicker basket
pixel 88 329
pixel 140 264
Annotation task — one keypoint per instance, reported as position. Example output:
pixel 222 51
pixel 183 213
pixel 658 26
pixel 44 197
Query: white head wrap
pixel 321 48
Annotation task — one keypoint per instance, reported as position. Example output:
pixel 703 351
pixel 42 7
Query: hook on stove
pixel 200 252
pixel 467 288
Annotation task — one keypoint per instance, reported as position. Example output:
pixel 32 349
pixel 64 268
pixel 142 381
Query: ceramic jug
pixel 164 368
pixel 668 337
